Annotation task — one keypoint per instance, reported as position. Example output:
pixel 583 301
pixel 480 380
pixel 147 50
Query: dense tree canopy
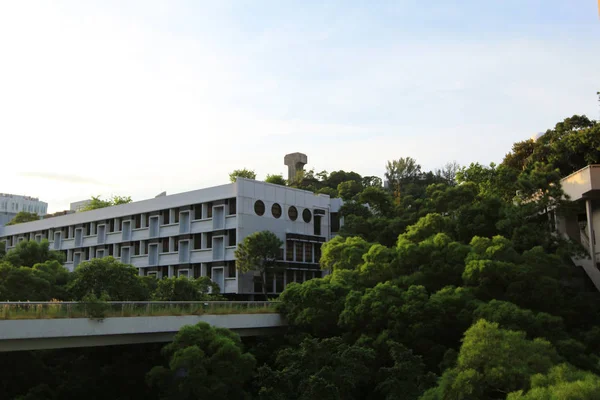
pixel 241 173
pixel 444 284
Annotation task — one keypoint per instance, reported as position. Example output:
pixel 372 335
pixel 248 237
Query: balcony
pixel 582 183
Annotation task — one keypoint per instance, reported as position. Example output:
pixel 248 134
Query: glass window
pixel 259 207
pixel 299 252
pixel 289 250
pixel 232 206
pixel 293 213
pixel 308 252
pixel 306 215
pixel 276 210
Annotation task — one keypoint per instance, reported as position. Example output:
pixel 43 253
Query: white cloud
pixel 133 101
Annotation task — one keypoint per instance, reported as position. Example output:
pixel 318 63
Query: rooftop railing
pixel 71 309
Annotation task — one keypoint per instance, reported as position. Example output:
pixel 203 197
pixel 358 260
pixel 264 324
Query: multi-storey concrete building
pixel 195 233
pixel 12 204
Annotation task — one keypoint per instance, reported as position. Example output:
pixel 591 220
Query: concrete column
pixel 171 271
pixel 203 270
pixel 590 230
pixel 141 271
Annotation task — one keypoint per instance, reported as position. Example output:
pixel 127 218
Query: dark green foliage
pixel 203 362
pixel 120 281
pixel 29 252
pixel 184 289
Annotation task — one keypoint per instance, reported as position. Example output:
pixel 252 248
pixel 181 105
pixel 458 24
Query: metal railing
pixel 72 309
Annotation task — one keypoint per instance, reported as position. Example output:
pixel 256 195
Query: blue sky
pixel 137 97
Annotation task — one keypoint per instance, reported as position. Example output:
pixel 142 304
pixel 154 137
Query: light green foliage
pixel 242 173
pixel 204 362
pixel 563 382
pixel 23 216
pixel 258 252
pixel 120 281
pixel 380 200
pixel 184 289
pixel 29 252
pixel 96 202
pixel 343 253
pixel 426 227
pixel 493 362
pixel 276 179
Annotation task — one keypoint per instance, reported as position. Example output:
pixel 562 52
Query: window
pixel 279 281
pixel 318 252
pixel 259 208
pixel 138 221
pixel 88 229
pixel 184 273
pixel 231 270
pixel 198 211
pixel 111 224
pixel 276 210
pixel 166 217
pixel 177 215
pixel 293 213
pixel 289 276
pixel 209 210
pixel 306 215
pixel 153 274
pixel 289 250
pixel 209 237
pixel 136 249
pixel 299 252
pixel 165 245
pixel 232 206
pixel 197 241
pixel 308 252
pixel 231 237
pixel 317 227
pixel 335 222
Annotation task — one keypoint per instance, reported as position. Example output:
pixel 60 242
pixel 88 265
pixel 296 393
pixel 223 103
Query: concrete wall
pixel 82 332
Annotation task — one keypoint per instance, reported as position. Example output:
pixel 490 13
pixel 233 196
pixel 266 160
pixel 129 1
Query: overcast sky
pixel 138 97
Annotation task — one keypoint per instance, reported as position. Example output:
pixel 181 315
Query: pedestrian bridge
pixel 36 326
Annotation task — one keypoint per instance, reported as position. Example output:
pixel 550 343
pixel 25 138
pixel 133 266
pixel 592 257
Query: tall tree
pixel 23 216
pixel 241 173
pixel 204 362
pixel 258 252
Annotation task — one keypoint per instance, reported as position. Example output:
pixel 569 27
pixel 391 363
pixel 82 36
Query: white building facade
pixel 12 204
pixel 195 233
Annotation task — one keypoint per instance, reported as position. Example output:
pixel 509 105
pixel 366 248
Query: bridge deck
pixel 36 334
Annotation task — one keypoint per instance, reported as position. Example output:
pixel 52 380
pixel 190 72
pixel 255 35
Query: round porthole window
pixel 293 213
pixel 259 207
pixel 306 215
pixel 276 210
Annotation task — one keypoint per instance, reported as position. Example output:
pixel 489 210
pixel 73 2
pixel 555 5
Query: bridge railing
pixel 72 309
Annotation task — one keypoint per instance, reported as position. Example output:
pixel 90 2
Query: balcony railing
pixel 71 309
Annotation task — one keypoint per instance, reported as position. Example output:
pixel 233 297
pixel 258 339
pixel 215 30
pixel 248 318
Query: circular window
pixel 293 213
pixel 259 207
pixel 306 215
pixel 276 210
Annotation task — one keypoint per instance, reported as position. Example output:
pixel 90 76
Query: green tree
pixel 184 289
pixel 23 216
pixel 27 253
pixel 204 362
pixel 242 173
pixel 2 248
pixel 120 281
pixel 276 179
pixel 96 202
pixel 348 190
pixel 493 362
pixel 318 369
pixel 563 382
pixel 23 284
pixel 258 252
pixel 343 253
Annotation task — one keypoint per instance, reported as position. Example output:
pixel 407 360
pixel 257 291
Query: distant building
pixel 12 204
pixel 79 205
pixel 195 233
